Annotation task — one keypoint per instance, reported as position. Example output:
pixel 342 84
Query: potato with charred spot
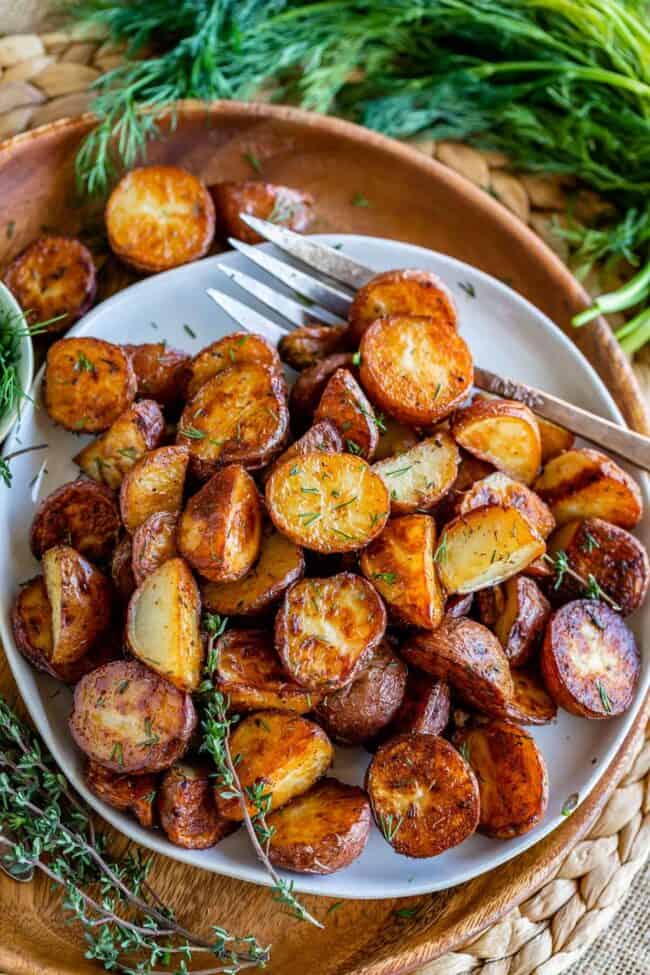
pixel 81 514
pixel 587 484
pixel 502 432
pixel 160 371
pixel 501 489
pixel 139 429
pixel 129 793
pixel 405 292
pixel 308 388
pixel 308 344
pixel 530 702
pixel 187 810
pixel 80 598
pixel 154 542
pixel 346 405
pixel 517 612
pixel 288 207
pixel 238 348
pixel 155 483
pixel 424 710
pixel 421 476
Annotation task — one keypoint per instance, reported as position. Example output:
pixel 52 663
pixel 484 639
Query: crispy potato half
pixel 516 611
pixel 404 292
pixel 501 489
pixel 424 795
pixel 424 710
pixel 346 405
pixel 502 432
pixel 308 388
pixel 162 624
pixel 469 657
pixel 153 543
pixel 400 565
pixel 128 719
pixel 420 476
pixel 394 439
pixel 238 348
pixel 80 597
pixel 88 383
pixel 511 774
pixel 81 514
pixel 158 217
pixel 530 702
pixel 321 831
pixel 186 808
pixel 326 629
pixel 590 660
pixel 587 484
pixel 308 344
pixel 139 429
pixel 268 201
pixel 155 483
pixel 327 502
pixel 284 752
pixel 220 530
pixel 555 439
pixel 322 438
pixel 122 573
pixel 128 793
pixel 416 369
pixel 470 470
pixel 160 371
pixel 54 276
pixel 484 547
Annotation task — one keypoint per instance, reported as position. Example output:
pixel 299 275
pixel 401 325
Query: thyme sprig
pixel 592 589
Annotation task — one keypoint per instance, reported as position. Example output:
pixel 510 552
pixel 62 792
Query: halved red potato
pixel 405 292
pixel 128 719
pixel 122 570
pixel 220 530
pixel 516 611
pixel 268 201
pixel 249 672
pixel 153 543
pixel 415 368
pixel 155 483
pixel 327 502
pixel 308 344
pixel 511 774
pixel 162 624
pixel 469 657
pixel 323 438
pixel 420 476
pixel 54 276
pixel 590 661
pixel 400 565
pixel 139 429
pixel 555 439
pixel 88 383
pixel 131 793
pixel 457 606
pixel 587 484
pixel 239 417
pixel 394 439
pixel 530 702
pixel 238 348
pixel 187 810
pixel 484 547
pixel 82 514
pixel 424 795
pixel 158 217
pixel 346 405
pixel 321 831
pixel 502 432
pixel 284 752
pixel 326 629
pixel 308 388
pixel 160 371
pixel 80 598
pixel 501 489
pixel 425 707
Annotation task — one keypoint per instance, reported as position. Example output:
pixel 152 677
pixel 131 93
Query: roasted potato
pixel 501 489
pixel 425 707
pixel 284 752
pixel 327 502
pixel 424 795
pixel 511 774
pixel 323 437
pixel 484 547
pixel 394 439
pixel 268 201
pixel 122 573
pixel 187 810
pixel 399 563
pixel 155 483
pixel 420 476
pixel 308 344
pixel 457 606
pixel 162 624
pixel 80 598
pixel 530 702
pixel 587 484
pixel 139 429
pixel 54 277
pixel 220 530
pixel 516 611
pixel 81 514
pixel 160 371
pixel 308 388
pixel 130 793
pixel 540 569
pixel 158 217
pixel 88 383
pixel 154 542
pixel 345 404
pixel 414 368
pixel 128 719
pixel 502 432
pixel 322 830
pixel 360 710
pixel 470 470
pixel 599 550
pixel 467 655
pixel 555 439
pixel 404 292
pixel 590 660
pixel 238 348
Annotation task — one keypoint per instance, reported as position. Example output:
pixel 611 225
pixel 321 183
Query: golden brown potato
pixel 414 368
pixel 604 552
pixel 345 404
pixel 139 429
pixel 308 344
pixel 511 774
pixel 327 502
pixel 424 709
pixel 268 201
pixel 484 547
pixel 285 752
pixel 530 702
pixel 155 483
pixel 420 476
pixel 162 624
pixel 187 809
pixel 470 470
pixel 128 719
pixel 31 620
pixel 587 484
pixel 130 793
pixel 501 489
pixel 516 611
pixel 326 629
pixel 160 371
pixel 122 570
pixel 322 830
pixel 404 292
pixel 88 383
pixel 400 565
pixel 239 417
pixel 158 217
pixel 502 432
pixel 467 655
pixel 81 514
pixel 323 438
pixel 238 348
pixel 53 276
pixel 153 543
pixel 308 388
pixel 220 530
pixel 555 439
pixel 394 439
pixel 80 598
pixel 590 660
pixel 424 795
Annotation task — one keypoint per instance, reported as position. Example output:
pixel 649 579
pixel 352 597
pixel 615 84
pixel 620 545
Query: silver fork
pixel 328 297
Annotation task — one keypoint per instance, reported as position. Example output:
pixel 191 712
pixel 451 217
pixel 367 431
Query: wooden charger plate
pixel 413 199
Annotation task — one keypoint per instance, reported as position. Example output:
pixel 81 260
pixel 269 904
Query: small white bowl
pixel 9 308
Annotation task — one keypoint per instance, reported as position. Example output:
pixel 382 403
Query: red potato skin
pixel 82 514
pixel 122 570
pixel 153 542
pixel 344 402
pixel 131 793
pixel 187 810
pixel 259 199
pixel 159 369
pixel 309 386
pixel 54 276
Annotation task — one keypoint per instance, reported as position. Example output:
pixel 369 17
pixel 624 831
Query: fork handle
pixel 629 446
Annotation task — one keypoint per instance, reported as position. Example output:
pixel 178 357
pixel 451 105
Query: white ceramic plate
pixel 506 334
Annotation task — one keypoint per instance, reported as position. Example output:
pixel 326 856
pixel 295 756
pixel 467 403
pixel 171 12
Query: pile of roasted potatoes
pixel 404 566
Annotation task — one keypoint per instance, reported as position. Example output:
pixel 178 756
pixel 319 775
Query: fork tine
pixel 247 318
pixel 293 311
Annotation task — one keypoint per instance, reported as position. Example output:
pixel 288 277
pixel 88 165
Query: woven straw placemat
pixel 566 926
